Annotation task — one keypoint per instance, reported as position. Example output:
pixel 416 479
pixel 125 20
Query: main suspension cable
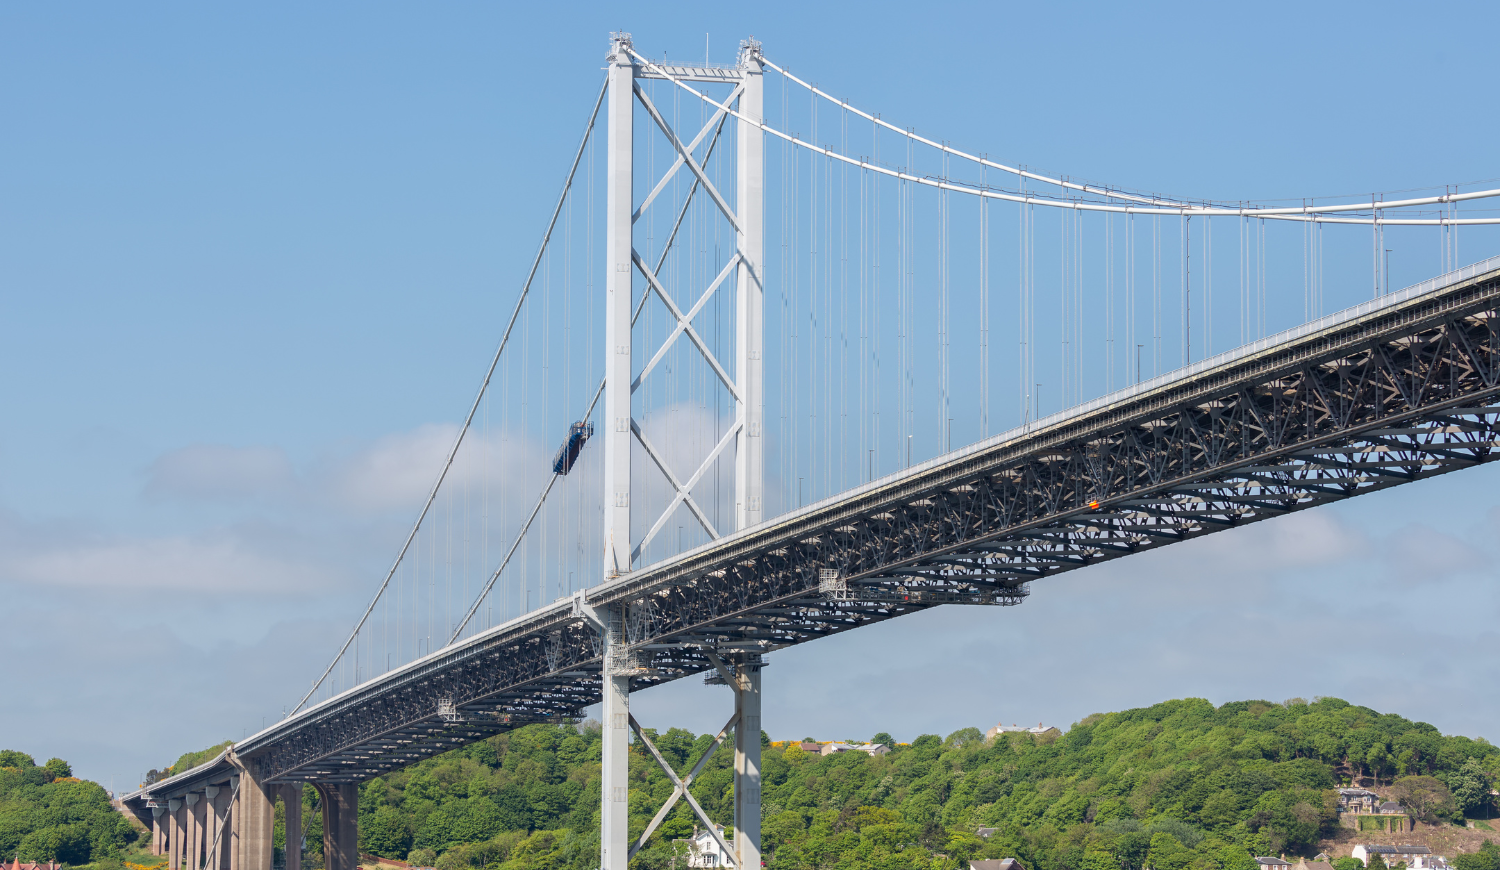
pixel 1302 213
pixel 489 373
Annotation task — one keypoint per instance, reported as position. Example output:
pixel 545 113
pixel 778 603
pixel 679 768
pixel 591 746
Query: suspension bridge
pixel 748 458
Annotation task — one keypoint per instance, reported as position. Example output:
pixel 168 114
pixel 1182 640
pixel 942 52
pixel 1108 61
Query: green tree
pixel 1348 862
pixel 65 844
pixel 1237 858
pixel 57 768
pixel 18 760
pixel 480 820
pixel 1168 853
pixel 1471 787
pixel 1487 858
pixel 1425 797
pixel 884 739
pixel 1131 850
pixel 1376 862
pixel 385 833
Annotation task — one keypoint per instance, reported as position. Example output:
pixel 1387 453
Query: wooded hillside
pixel 48 815
pixel 1179 785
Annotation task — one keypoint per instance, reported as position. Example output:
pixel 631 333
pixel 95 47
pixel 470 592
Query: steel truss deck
pixel 1396 394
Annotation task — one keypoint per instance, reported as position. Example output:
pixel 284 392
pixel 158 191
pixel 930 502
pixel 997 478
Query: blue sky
pixel 252 263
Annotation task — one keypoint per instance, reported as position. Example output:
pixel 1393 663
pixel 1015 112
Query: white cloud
pixel 218 563
pixel 393 473
pixel 1422 553
pixel 216 472
pixel 398 471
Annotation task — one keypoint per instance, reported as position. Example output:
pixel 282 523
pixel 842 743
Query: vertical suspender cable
pixel 876 380
pixel 1208 287
pixel 1021 310
pixel 1187 290
pixel 1078 304
pixel 814 273
pixel 588 129
pixel 1155 295
pixel 1064 303
pixel 1021 391
pixel 984 311
pixel 844 303
pixel 1260 274
pixel 1109 304
pixel 1130 312
pixel 943 269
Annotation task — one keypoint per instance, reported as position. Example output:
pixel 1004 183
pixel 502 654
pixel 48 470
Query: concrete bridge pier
pixel 158 830
pixel 232 830
pixel 218 814
pixel 174 834
pixel 614 816
pixel 747 763
pixel 253 821
pixel 340 825
pixel 196 823
pixel 291 800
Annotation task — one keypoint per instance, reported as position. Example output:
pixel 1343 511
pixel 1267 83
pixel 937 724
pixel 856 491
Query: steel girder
pixel 1403 393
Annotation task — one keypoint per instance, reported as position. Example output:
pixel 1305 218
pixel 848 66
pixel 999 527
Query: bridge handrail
pixel 166 784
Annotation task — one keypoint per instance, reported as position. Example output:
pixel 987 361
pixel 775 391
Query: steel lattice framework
pixel 1401 392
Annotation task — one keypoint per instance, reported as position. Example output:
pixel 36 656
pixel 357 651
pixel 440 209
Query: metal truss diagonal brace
pixel 687 157
pixel 590 614
pixel 692 146
pixel 684 491
pixel 680 786
pixel 684 322
pixel 661 352
pixel 723 669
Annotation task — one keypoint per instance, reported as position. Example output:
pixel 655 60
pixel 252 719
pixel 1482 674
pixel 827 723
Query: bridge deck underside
pixel 1404 393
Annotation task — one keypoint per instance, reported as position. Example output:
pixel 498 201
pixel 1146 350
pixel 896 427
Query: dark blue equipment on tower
pixel 567 454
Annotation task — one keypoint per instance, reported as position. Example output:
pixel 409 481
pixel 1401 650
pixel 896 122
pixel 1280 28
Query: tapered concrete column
pixel 747 765
pixel 254 819
pixel 614 814
pixel 213 816
pixel 340 825
pixel 232 830
pixel 174 834
pixel 158 830
pixel 196 823
pixel 291 799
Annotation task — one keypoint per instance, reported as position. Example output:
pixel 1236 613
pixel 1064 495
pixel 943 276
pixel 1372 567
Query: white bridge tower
pixel 624 264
